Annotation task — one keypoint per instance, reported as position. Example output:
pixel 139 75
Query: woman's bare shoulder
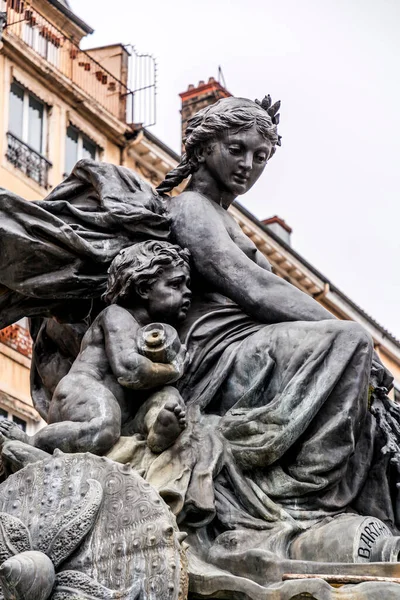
pixel 186 194
pixel 188 197
pixel 191 204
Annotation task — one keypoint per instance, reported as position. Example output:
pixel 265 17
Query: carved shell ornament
pixel 29 574
pixel 79 526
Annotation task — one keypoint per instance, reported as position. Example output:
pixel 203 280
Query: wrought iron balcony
pixel 30 162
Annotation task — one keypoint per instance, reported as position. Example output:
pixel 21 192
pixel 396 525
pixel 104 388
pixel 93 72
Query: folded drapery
pixel 59 248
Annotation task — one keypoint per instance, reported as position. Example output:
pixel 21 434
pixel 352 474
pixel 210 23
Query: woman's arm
pixel 197 226
pixel 262 262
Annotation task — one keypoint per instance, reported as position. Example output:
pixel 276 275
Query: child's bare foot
pixel 170 421
pixel 12 432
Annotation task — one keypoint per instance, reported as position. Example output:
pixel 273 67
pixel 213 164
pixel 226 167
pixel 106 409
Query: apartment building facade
pixel 59 103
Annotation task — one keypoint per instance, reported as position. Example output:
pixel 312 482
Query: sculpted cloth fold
pixel 73 235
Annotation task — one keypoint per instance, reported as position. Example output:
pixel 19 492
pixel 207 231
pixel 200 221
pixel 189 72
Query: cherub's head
pixel 154 275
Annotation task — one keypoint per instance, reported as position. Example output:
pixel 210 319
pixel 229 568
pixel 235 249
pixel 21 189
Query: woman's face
pixel 237 159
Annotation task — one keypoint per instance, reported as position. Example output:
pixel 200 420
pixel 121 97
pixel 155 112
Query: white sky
pixel 335 66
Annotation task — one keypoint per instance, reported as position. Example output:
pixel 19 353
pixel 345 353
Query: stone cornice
pixel 150 159
pixel 64 19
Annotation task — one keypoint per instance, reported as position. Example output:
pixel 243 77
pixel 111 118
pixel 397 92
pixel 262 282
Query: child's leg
pixel 96 436
pixel 162 418
pixel 84 416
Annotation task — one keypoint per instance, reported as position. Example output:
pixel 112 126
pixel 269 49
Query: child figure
pixel 147 282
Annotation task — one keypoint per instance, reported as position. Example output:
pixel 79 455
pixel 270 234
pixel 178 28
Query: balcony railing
pixel 30 162
pixel 26 24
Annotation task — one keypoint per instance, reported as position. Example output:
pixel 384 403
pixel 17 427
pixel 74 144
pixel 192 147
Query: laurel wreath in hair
pixel 272 110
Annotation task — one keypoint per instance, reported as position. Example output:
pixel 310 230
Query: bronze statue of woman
pixel 280 442
pixel 288 382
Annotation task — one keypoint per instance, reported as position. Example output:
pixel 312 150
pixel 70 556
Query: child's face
pixel 169 297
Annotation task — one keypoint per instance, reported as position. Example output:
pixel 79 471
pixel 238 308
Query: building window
pixel 27 115
pixel 20 422
pixel 17 420
pixel 77 146
pixel 27 133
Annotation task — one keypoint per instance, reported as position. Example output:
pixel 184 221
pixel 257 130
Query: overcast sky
pixel 335 66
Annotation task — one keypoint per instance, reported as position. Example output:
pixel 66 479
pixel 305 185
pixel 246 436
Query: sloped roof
pixel 65 7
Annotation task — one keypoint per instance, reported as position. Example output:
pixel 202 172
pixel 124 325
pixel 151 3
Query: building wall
pixel 59 115
pixel 114 59
pixel 15 398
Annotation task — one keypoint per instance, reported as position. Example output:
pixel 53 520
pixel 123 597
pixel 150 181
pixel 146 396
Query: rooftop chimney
pixel 198 97
pixel 279 227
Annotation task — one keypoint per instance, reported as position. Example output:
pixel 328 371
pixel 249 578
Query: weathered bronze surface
pixel 163 340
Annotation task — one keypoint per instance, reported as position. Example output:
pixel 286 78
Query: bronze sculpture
pixel 106 384
pixel 97 531
pixel 287 420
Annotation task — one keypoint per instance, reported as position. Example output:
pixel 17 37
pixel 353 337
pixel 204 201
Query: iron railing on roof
pixel 28 25
pixel 143 83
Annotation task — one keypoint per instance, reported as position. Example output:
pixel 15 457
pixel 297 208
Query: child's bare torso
pixel 117 328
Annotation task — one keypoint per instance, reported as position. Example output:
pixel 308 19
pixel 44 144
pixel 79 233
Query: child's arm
pixel 129 367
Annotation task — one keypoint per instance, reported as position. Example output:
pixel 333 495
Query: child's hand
pixel 145 374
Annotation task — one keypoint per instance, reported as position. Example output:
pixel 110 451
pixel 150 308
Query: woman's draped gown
pixel 279 435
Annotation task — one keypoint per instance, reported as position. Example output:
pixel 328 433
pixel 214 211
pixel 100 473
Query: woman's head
pixel 213 122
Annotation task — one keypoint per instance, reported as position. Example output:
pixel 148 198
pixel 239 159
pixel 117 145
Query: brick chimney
pixel 279 227
pixel 198 97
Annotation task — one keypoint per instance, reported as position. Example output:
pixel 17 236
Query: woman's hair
pixel 227 114
pixel 141 264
